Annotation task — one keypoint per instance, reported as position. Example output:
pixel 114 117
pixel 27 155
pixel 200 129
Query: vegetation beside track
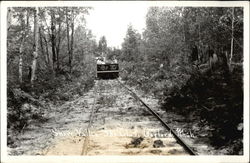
pixel 213 99
pixel 164 67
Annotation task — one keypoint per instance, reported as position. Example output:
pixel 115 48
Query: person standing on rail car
pixel 115 60
pixel 213 58
pixel 194 55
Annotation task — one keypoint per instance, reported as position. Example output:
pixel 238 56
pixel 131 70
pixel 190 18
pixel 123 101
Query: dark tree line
pixel 171 32
pixel 191 59
pixel 50 60
pixel 44 38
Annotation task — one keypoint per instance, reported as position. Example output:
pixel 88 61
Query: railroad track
pixel 86 140
pixel 117 122
pixel 180 141
pixel 103 120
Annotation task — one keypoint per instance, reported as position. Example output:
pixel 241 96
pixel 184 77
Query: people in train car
pixel 100 61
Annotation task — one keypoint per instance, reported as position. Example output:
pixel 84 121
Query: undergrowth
pixel 27 104
pixel 212 97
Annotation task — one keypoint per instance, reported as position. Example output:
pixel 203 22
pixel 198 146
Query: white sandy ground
pixel 118 120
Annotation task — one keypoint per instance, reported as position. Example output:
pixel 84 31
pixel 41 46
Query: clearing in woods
pixel 107 120
pixel 119 126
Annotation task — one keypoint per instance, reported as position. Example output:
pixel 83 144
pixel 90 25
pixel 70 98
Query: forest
pixel 51 59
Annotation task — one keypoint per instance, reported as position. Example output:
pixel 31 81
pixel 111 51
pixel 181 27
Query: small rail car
pixel 107 70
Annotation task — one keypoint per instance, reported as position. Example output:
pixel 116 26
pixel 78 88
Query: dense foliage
pixel 65 63
pixel 165 65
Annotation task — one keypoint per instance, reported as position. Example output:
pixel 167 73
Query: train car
pixel 106 69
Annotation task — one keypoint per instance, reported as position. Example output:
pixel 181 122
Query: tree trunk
pixel 21 49
pixel 35 52
pixel 186 27
pixel 9 15
pixel 58 45
pixel 72 38
pixel 68 41
pixel 47 56
pixel 20 67
pixel 53 38
pixel 27 21
pixel 199 45
pixel 42 48
pixel 232 38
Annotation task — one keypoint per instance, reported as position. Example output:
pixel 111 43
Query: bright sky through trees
pixel 112 21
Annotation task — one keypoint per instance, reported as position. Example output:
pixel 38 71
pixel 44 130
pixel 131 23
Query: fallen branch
pixel 21 94
pixel 203 68
pixel 237 64
pixel 208 109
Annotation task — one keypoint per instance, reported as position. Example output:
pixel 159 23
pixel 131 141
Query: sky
pixel 112 21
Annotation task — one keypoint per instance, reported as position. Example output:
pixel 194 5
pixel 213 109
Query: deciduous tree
pixel 36 42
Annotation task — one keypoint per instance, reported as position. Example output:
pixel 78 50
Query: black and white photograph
pixel 147 79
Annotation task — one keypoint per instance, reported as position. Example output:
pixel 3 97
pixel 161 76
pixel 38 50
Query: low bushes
pixel 216 98
pixel 28 104
pixel 212 97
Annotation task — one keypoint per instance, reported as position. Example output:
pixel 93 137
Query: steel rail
pixel 86 140
pixel 179 140
pixel 107 71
